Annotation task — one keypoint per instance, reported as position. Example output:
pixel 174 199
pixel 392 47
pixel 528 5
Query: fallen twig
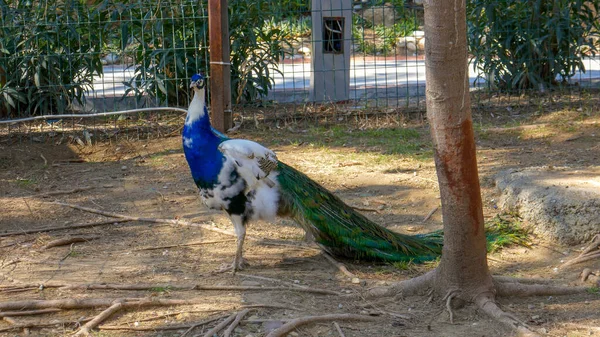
pixel 116 286
pixel 155 220
pixel 68 241
pixel 433 210
pixel 85 329
pixel 235 322
pixel 53 193
pixel 184 244
pixel 366 209
pixel 340 266
pixel 28 325
pixel 221 325
pixel 271 280
pixel 58 228
pixel 339 329
pixel 293 324
pixel 163 327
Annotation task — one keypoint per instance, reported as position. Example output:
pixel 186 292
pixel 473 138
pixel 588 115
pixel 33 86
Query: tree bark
pixel 463 267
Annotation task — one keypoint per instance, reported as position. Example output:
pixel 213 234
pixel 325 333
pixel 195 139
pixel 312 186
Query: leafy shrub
pixel 528 44
pixel 170 45
pixel 49 53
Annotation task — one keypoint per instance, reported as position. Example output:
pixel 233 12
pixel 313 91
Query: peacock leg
pixel 240 231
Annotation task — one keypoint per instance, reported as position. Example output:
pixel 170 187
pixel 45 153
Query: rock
pixel 123 168
pixel 269 326
pixel 538 194
pixel 111 58
pixel 380 15
pixel 304 51
pixel 355 280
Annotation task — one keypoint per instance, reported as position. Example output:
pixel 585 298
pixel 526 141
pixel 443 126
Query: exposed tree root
pixel 293 324
pixel 448 298
pixel 221 326
pixel 238 318
pixel 60 228
pixel 537 280
pixel 406 287
pixel 340 266
pixel 487 304
pixel 508 289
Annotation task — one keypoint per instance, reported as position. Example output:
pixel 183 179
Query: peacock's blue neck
pixel 200 144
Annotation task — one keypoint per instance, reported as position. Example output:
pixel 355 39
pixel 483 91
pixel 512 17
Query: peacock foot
pixel 235 266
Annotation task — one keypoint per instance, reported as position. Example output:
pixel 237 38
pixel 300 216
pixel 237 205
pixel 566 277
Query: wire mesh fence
pixel 290 60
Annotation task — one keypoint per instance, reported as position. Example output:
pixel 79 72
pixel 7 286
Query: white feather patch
pixel 254 162
pixel 196 108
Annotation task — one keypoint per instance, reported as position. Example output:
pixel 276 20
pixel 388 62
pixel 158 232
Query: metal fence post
pixel 220 72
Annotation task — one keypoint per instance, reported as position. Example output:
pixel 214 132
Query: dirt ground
pixel 150 178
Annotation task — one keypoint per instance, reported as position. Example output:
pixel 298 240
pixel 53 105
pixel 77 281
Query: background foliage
pixel 48 66
pixel 528 44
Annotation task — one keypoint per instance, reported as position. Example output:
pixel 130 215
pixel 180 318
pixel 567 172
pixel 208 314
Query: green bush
pixel 49 53
pixel 170 46
pixel 528 44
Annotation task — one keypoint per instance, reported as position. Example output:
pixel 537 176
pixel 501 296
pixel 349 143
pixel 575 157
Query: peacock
pixel 248 182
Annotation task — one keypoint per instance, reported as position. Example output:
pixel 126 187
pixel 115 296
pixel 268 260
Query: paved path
pixel 371 79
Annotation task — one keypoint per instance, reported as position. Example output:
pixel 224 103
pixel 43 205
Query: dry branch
pixel 115 286
pixel 433 210
pixel 235 322
pixel 85 329
pixel 293 324
pixel 340 266
pixel 58 228
pixel 68 241
pixel 251 288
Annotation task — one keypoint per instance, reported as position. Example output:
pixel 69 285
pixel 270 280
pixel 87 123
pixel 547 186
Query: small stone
pixel 340 306
pixel 293 333
pixel 124 167
pixel 355 280
pixel 535 317
pixel 296 281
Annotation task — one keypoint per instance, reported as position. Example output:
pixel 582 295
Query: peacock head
pixel 197 82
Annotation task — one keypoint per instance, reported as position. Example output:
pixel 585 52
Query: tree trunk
pixel 463 267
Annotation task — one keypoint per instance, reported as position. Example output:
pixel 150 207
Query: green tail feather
pixel 342 231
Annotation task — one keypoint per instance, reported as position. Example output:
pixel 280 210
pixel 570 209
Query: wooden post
pixel 220 72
